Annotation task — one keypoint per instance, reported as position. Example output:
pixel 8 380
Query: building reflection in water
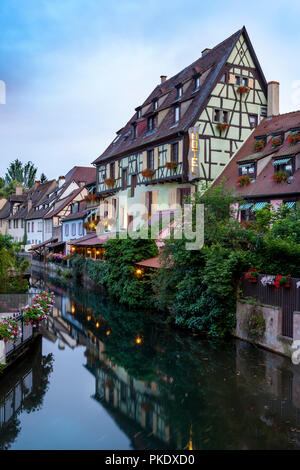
pixel 22 388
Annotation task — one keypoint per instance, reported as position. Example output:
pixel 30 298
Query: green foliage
pixel 24 174
pixel 12 267
pixel 8 189
pixel 256 325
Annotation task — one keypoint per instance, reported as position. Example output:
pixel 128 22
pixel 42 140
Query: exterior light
pixel 138 340
pixel 138 272
pixel 97 324
pixel 88 318
pixel 108 332
pixel 73 309
pixel 97 252
pixel 73 249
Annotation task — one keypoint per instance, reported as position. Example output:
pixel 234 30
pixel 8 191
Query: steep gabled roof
pixel 36 194
pixel 263 184
pixel 81 174
pixel 63 203
pixel 5 211
pixel 209 67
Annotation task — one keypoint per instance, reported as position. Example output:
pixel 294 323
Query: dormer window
pixel 179 91
pixel 155 104
pixel 277 140
pixel 138 113
pixel 151 123
pixel 221 116
pixel 176 113
pixel 284 164
pixel 248 169
pixel 197 82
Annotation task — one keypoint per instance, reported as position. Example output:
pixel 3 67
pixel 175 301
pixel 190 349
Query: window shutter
pixel 143 205
pixel 231 79
pixel 107 170
pixel 156 158
pixel 144 160
pixel 117 169
pixel 250 82
pixel 155 201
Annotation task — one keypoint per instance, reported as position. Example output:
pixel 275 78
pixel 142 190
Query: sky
pixel 75 70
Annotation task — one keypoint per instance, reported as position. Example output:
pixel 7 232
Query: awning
pixel 92 212
pixel 281 161
pixel 93 241
pixel 41 245
pixel 53 245
pixel 245 206
pixel 92 188
pixel 290 204
pixel 258 206
pixel 246 165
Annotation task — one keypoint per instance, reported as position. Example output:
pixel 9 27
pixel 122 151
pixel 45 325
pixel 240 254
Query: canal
pixel 104 377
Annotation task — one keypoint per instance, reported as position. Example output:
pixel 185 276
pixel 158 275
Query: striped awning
pixel 245 206
pixel 290 204
pixel 92 188
pixel 282 161
pixel 258 206
pixel 246 165
pixel 92 212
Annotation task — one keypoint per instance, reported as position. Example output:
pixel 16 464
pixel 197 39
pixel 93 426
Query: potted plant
pixel 148 173
pixel 243 180
pixel 276 141
pixel 9 330
pixel 110 182
pixel 243 90
pixel 280 176
pixel 259 145
pixel 294 138
pixel 171 165
pixel 282 281
pixel 222 126
pixel 39 310
pixel 252 275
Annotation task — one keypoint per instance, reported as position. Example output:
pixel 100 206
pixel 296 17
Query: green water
pixel 105 377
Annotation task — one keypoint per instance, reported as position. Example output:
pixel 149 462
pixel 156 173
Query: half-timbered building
pixel 184 133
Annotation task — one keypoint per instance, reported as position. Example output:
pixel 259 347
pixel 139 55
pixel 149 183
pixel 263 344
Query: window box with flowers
pixel 243 90
pixel 110 182
pixel 252 275
pixel 171 165
pixel 282 281
pixel 222 126
pixel 9 330
pixel 91 197
pixel 294 138
pixel 40 309
pixel 280 176
pixel 243 180
pixel 148 173
pixel 276 141
pixel 259 145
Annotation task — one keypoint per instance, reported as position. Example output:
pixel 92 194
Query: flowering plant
pixel 110 181
pixel 252 274
pixel 39 311
pixel 242 89
pixel 91 197
pixel 222 126
pixel 277 141
pixel 259 145
pixel 148 173
pixel 9 330
pixel 294 138
pixel 282 281
pixel 243 180
pixel 56 257
pixel 280 176
pixel 171 165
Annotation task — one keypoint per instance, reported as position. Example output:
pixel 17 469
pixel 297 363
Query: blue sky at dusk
pixel 76 69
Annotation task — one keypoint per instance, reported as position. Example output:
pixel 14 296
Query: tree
pixel 23 174
pixel 43 178
pixel 8 189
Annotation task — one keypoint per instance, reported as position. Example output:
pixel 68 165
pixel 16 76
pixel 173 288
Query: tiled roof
pixel 210 67
pixel 4 212
pixel 75 215
pixel 63 203
pixel 150 263
pixel 92 240
pixel 263 184
pixel 35 194
pixel 82 174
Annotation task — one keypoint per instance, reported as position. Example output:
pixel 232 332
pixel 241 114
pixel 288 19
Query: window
pixel 197 82
pixel 241 81
pixel 130 223
pixel 221 116
pixel 184 193
pixel 9 224
pixel 253 120
pixel 138 113
pixel 174 152
pixel 79 228
pixel 150 123
pixel 155 104
pixel 134 127
pixel 133 184
pixel 149 202
pixel 284 164
pixel 179 91
pixel 112 170
pixel 124 179
pixel 48 226
pixel 75 207
pixel 22 223
pixel 73 230
pixel 263 112
pixel 223 78
pixel 28 227
pixel 40 226
pixel 16 223
pixel 32 226
pixel 66 230
pixel 162 155
pixel 176 113
pixel 247 169
pixel 150 159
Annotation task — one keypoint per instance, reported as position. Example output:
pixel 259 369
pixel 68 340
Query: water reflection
pixel 166 390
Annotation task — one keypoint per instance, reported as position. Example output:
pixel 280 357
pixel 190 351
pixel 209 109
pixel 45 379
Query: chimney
pixel 205 51
pixel 61 181
pixel 19 190
pixel 36 183
pixel 163 78
pixel 273 99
